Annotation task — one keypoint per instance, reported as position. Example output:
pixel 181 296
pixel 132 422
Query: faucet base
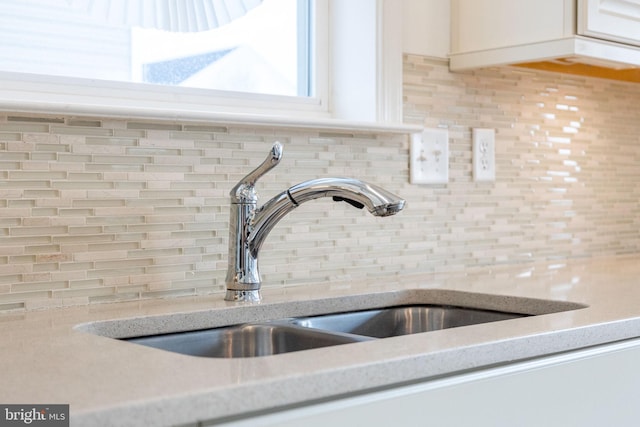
pixel 252 295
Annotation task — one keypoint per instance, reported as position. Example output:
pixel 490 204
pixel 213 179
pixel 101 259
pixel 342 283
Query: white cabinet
pixel 586 388
pixel 496 32
pixel 426 27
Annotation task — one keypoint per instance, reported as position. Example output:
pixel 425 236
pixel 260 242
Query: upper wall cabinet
pixel 594 37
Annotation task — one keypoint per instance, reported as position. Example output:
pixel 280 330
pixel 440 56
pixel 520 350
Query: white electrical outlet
pixel 430 157
pixel 484 155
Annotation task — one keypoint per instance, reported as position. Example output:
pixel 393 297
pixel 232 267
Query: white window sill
pixel 42 95
pixel 230 118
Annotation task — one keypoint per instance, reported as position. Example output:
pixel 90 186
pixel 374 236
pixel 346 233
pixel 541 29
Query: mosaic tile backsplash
pixel 103 210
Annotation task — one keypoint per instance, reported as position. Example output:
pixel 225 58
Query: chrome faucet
pixel 249 225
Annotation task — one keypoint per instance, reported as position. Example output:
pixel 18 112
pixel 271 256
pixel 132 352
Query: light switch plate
pixel 430 157
pixel 484 155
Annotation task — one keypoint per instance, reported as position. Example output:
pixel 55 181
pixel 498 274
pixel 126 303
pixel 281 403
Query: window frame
pixel 22 92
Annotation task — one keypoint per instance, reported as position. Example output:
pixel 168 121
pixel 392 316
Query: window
pixel 75 56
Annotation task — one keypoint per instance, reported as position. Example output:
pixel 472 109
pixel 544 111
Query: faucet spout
pixel 378 201
pixel 250 226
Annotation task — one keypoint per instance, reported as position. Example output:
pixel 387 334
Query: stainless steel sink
pixel 394 321
pixel 250 340
pixel 305 333
pixel 263 330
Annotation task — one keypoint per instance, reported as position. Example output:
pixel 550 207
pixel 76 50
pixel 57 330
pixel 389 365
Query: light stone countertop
pixel 47 358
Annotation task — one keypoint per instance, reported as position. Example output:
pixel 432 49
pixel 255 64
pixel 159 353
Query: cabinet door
pixel 616 20
pixel 594 387
pixel 477 25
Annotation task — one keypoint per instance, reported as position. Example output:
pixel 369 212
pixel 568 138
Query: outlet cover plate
pixel 430 157
pixel 484 155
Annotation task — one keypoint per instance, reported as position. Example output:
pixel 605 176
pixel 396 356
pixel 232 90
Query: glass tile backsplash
pixel 103 210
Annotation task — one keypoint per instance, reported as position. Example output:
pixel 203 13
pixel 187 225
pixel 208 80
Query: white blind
pixel 169 15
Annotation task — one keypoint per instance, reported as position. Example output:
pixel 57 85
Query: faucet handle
pixel 272 160
pixel 243 190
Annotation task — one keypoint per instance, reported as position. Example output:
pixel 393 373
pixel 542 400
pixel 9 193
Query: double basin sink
pixel 271 329
pixel 305 333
